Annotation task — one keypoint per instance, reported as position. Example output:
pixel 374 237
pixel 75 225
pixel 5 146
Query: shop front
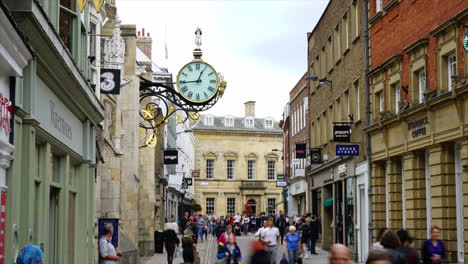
pixel 332 188
pixel 298 195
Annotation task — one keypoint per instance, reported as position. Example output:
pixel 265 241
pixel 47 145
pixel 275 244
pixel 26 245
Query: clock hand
pixel 188 81
pixel 201 73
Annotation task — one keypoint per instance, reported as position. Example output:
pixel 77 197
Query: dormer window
pixel 249 122
pixel 208 121
pixel 268 123
pixel 229 121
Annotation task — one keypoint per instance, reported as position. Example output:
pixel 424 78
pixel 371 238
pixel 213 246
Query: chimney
pixel 145 43
pixel 250 108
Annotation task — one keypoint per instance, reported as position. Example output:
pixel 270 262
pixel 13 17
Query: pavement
pixel 208 249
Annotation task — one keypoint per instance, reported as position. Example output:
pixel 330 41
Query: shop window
pixel 271 205
pixel 451 69
pixel 210 169
pixel 251 169
pixel 54 224
pixel 71 228
pixel 210 205
pixel 231 166
pixel 231 206
pixel 271 169
pixel 56 167
pixel 66 20
pixel 349 221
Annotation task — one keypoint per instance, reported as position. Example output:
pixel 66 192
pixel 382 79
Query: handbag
pixel 283 260
pixel 177 253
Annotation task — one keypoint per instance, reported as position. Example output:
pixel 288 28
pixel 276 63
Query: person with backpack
pixel 313 234
pixel 411 253
pixel 170 242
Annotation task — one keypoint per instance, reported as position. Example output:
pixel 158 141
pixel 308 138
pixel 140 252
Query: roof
pixel 218 124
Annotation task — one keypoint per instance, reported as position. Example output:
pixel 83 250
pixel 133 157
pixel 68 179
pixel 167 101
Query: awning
pixel 328 202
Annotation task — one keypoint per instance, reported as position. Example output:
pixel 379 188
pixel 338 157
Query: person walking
pixel 433 250
pixel 184 222
pixel 391 243
pixel 206 227
pixel 225 235
pixel 260 230
pixel 230 252
pixel 305 236
pixel 378 256
pixel 201 226
pixel 292 245
pixel 377 244
pixel 253 223
pixel 281 224
pixel 188 248
pixel 212 222
pixel 221 228
pixel 339 254
pixel 271 238
pixel 411 254
pixel 313 234
pixel 260 255
pixel 170 242
pixel 107 254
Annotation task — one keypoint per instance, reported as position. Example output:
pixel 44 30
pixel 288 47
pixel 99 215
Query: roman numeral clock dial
pixel 198 82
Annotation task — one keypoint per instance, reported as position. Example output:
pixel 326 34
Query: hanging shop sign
pixel 347 150
pixel 301 150
pixel 418 127
pixel 465 42
pixel 342 170
pixel 186 182
pixel 171 157
pixel 315 156
pixel 195 174
pixel 6 114
pixel 299 172
pixel 280 177
pixel 281 183
pixel 341 133
pixel 110 81
pixel 115 223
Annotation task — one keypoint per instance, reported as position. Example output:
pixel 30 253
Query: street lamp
pixel 322 81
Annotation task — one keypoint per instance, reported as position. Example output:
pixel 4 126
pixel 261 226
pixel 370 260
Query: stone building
pixel 236 163
pixel 338 185
pixel 298 133
pixel 50 196
pixel 419 124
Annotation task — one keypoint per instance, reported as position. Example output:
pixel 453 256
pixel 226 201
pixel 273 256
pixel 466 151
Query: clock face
pixel 197 82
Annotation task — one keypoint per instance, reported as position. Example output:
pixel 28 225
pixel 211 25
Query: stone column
pixel 464 164
pixel 378 198
pixel 443 199
pixel 415 196
pixel 394 188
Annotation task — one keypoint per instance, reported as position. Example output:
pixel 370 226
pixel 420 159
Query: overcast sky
pixel 260 47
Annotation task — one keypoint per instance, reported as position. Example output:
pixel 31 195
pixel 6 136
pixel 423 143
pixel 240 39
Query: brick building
pixel 338 185
pixel 419 122
pixel 298 133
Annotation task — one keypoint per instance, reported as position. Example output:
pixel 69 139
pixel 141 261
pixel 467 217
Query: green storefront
pixel 50 195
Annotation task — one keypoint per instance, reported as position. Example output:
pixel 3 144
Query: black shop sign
pixel 171 157
pixel 341 133
pixel 316 156
pixel 301 150
pixel 418 126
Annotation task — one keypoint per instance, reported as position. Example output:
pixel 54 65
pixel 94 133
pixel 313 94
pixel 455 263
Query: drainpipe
pixel 368 113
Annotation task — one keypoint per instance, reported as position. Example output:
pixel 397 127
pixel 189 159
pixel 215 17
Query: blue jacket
pixel 222 254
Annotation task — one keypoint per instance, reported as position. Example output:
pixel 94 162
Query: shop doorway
pixel 253 205
pixel 339 221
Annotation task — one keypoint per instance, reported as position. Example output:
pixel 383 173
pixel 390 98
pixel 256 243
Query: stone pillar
pixel 464 164
pixel 394 188
pixel 443 191
pixel 378 198
pixel 415 196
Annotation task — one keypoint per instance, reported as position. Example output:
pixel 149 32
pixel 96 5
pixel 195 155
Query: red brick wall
pixel 408 21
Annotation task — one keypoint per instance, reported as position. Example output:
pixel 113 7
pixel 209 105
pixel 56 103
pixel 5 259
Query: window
pixel 381 102
pixel 421 84
pixel 71 228
pixel 378 5
pixel 251 170
pixel 396 92
pixel 208 121
pixel 231 165
pixel 355 16
pixel 54 224
pixel 66 19
pixel 337 43
pixel 231 206
pixel 249 122
pixel 271 206
pixel 56 168
pixel 271 169
pixel 357 101
pixel 210 208
pixel 210 169
pixel 268 123
pixel 451 70
pixel 92 41
pixel 229 121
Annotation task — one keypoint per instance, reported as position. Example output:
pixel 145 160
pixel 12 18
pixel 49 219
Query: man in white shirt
pixel 212 224
pixel 260 230
pixel 271 238
pixel 237 218
pixel 107 254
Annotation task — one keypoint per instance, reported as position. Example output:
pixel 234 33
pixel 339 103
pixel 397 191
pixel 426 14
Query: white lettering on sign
pixel 6 113
pixel 59 123
pixel 170 157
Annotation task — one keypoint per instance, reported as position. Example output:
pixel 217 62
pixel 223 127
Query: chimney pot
pixel 147 34
pixel 143 32
pixel 138 33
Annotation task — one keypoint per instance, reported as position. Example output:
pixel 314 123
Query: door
pixel 459 202
pixel 53 225
pixel 253 205
pixel 362 232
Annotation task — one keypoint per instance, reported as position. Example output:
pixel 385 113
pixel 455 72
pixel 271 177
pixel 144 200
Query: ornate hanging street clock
pixel 197 81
